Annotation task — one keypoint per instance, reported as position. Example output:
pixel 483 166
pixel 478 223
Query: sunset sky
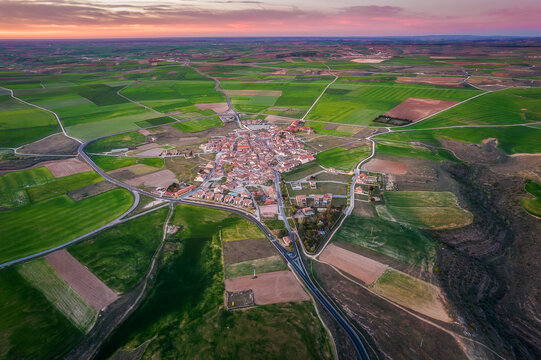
pixel 156 18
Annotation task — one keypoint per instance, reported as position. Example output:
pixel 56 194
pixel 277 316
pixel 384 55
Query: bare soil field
pixel 363 268
pixel 162 178
pixel 369 60
pixel 391 262
pixel 269 288
pixel 90 190
pixel 245 250
pixel 57 144
pixel 216 107
pixel 86 284
pixel 255 92
pixel 278 119
pixel 443 81
pixel 60 168
pixel 151 149
pixel 416 109
pixel 386 166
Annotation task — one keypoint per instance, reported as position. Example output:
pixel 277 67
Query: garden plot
pixel 386 167
pixel 60 168
pixel 269 288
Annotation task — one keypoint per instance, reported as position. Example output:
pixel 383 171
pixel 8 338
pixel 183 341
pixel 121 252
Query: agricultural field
pixel 239 229
pixel 398 241
pixel 343 158
pixel 533 206
pixel 121 255
pixel 195 300
pixel 127 140
pixel 333 129
pixel 89 111
pixel 22 124
pixel 192 126
pixel 108 163
pixel 13 185
pixel 360 104
pixel 261 265
pixel 426 209
pixel 413 293
pixel 27 317
pixel 302 171
pixel 42 276
pixel 511 139
pixel 43 225
pixel 413 151
pixel 506 107
pixel 259 96
pixel 61 185
pixel 176 97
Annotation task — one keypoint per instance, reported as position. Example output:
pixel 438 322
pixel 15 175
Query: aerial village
pixel 243 172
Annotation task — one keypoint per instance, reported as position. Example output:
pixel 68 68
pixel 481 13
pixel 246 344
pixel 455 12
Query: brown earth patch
pixel 57 144
pixel 361 267
pixel 255 92
pixel 369 60
pixel 60 168
pixel 386 166
pixel 244 250
pixel 90 190
pixel 216 107
pixel 162 178
pixel 416 109
pixel 80 279
pixel 443 81
pixel 278 119
pixel 330 126
pixel 280 72
pixel 269 288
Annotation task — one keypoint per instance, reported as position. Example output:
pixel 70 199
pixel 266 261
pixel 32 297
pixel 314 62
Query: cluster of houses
pixel 320 200
pixel 240 200
pixel 251 158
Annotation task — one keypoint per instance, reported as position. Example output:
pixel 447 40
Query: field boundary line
pixel 323 92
